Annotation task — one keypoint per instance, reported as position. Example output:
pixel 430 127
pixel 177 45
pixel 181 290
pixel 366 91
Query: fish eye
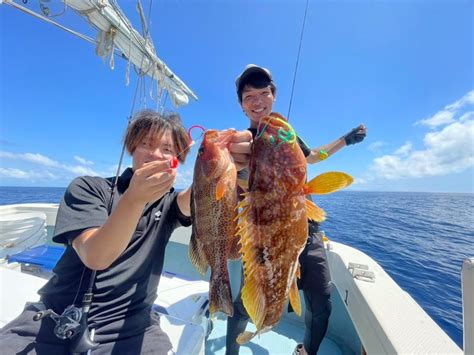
pixel 201 150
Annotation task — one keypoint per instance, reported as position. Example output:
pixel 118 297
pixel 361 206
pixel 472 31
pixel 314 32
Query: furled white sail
pixel 116 32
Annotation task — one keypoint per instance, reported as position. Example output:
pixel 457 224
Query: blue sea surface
pixel 420 239
pixel 11 194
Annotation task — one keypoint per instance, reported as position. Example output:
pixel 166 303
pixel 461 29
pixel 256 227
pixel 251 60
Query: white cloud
pixel 30 157
pixel 439 119
pixel 404 149
pixel 467 99
pixel 446 116
pixel 376 146
pixel 39 159
pixel 360 181
pixel 446 151
pixel 83 161
pixel 81 170
pixel 467 116
pixel 12 173
pixel 41 169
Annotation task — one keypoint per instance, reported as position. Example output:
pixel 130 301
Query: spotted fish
pixel 273 221
pixel 213 210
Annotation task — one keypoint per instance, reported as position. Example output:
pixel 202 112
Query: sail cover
pixel 116 31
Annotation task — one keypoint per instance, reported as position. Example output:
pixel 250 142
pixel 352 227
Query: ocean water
pixel 420 239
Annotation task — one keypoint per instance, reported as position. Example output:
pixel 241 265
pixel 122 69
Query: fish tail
pixel 245 337
pixel 220 295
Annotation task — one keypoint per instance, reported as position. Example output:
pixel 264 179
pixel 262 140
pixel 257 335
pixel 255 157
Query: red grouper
pixel 214 210
pixel 273 221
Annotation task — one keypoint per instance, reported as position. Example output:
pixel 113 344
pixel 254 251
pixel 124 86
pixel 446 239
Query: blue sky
pixel 404 68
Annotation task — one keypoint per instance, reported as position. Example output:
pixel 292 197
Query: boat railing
pixel 467 282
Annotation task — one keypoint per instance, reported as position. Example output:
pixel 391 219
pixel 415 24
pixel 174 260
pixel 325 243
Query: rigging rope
pixel 41 17
pixel 297 60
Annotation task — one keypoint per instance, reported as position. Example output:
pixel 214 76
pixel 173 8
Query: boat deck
pixel 280 340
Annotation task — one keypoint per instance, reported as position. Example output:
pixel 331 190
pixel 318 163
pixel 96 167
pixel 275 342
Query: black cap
pixel 251 69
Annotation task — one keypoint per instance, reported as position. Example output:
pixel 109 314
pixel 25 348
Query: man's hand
pixel 356 135
pixel 150 182
pixel 240 148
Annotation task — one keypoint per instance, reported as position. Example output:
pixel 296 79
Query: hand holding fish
pixel 151 181
pixel 240 148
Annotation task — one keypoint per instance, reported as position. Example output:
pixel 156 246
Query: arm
pixel 184 201
pixel 99 247
pixel 356 135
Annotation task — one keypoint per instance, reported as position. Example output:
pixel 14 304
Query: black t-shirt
pixel 127 289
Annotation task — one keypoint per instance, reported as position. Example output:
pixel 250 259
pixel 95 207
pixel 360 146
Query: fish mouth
pixel 211 134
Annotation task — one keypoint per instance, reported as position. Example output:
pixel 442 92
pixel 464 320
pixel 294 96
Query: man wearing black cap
pixel 256 93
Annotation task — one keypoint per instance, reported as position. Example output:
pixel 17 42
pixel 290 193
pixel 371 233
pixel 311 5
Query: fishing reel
pixel 72 325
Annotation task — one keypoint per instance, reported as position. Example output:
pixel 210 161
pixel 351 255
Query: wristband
pixel 323 154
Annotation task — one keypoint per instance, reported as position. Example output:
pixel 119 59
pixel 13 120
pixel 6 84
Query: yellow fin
pixel 295 298
pixel 245 337
pixel 328 182
pixel 253 296
pixel 197 256
pixel 314 212
pixel 220 188
pixel 243 183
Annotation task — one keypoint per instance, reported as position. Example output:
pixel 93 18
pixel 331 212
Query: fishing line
pixel 297 59
pixel 191 138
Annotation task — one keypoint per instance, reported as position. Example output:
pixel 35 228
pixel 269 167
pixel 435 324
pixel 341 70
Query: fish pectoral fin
pixel 295 298
pixel 327 183
pixel 245 337
pixel 197 256
pixel 314 212
pixel 221 187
